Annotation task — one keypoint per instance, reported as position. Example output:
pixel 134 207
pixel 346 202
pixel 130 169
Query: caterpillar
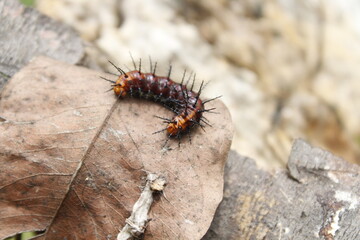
pixel 184 102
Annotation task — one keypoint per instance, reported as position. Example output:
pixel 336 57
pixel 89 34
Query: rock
pixel 317 198
pixel 25 33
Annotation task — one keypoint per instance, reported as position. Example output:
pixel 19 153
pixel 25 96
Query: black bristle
pixel 169 73
pixel 154 71
pixel 192 85
pixel 150 61
pixel 198 96
pixel 162 130
pixel 133 61
pixel 212 99
pixel 183 77
pixel 112 81
pixel 117 68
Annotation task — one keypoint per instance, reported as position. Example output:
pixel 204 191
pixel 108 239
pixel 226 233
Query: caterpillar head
pixel 119 87
pixel 122 83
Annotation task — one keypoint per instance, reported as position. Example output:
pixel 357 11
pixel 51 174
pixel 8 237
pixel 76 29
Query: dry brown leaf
pixel 73 159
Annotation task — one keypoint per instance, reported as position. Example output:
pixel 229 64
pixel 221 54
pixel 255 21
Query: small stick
pixel 137 222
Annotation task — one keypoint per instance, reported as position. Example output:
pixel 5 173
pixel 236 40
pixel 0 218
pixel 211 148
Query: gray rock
pixel 25 33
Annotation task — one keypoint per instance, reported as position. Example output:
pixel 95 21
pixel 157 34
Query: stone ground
pixel 286 69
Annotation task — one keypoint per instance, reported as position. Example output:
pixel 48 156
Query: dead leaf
pixel 74 158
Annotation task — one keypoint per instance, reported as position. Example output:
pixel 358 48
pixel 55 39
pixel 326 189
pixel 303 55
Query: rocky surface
pixel 317 197
pixel 285 69
pixel 24 34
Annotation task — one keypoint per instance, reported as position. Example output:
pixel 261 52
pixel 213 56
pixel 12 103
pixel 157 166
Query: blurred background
pixel 286 68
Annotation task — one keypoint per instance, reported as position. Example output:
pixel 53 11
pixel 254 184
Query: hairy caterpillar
pixel 184 102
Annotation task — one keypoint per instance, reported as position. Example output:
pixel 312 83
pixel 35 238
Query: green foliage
pixel 28 3
pixel 23 236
